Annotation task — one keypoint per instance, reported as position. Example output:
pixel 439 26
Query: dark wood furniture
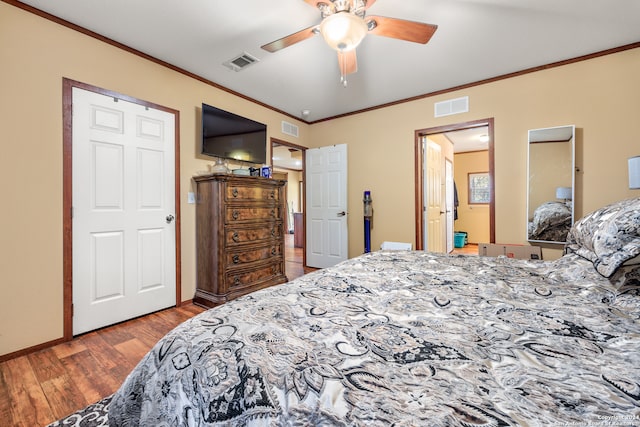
pixel 239 236
pixel 298 232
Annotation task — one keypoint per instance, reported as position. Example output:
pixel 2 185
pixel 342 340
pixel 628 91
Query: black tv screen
pixel 230 136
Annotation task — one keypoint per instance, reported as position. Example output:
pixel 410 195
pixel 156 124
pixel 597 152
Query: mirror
pixel 551 184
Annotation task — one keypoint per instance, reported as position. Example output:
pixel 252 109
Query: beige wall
pixel 597 96
pixel 35 55
pixel 549 168
pixel 474 219
pixel 294 195
pixel 293 192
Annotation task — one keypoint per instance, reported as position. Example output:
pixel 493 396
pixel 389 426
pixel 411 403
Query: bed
pixel 551 222
pixel 411 338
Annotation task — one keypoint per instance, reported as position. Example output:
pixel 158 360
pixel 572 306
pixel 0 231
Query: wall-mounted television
pixel 230 136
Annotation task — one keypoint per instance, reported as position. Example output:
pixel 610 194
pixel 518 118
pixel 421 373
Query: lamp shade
pixel 564 193
pixel 634 172
pixel 343 31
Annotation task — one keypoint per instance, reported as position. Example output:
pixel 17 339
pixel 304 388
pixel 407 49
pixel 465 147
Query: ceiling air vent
pixel 241 62
pixel 452 106
pixel 289 129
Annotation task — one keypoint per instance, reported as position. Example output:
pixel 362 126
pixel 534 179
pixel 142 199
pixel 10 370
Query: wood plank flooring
pixel 42 387
pixel 47 385
pixel 468 249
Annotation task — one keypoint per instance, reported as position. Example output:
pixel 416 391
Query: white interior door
pixel 448 173
pixel 433 185
pixel 326 206
pixel 123 207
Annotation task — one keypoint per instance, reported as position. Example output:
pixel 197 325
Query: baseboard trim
pixel 42 346
pixel 28 350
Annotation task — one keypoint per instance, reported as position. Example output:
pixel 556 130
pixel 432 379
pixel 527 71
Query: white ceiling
pixel 475 40
pixel 467 140
pixel 287 158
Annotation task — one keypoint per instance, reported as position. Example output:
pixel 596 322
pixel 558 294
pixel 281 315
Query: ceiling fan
pixel 344 25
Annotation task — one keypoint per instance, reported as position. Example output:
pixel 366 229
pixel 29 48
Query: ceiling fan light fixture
pixel 343 31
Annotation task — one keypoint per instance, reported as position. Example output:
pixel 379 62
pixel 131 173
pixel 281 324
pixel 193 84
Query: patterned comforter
pixel 551 222
pixel 404 339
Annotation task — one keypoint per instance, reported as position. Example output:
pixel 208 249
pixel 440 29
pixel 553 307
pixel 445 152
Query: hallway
pixel 293 259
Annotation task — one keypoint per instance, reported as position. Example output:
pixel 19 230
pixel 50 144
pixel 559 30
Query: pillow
pixel 626 278
pixel 608 237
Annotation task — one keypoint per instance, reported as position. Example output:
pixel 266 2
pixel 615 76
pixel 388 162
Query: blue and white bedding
pixel 405 339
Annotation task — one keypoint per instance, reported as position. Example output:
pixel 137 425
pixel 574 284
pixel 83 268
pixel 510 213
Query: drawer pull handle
pixel 272 194
pixel 235 237
pixel 273 251
pixel 273 232
pixel 235 214
pixel 234 192
pixel 236 281
pixel 236 259
pixel 273 213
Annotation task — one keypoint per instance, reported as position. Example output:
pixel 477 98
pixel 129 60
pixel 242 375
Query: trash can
pixel 459 240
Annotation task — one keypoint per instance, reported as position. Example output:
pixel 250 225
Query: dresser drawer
pixel 254 254
pixel 263 232
pixel 252 277
pixel 251 213
pixel 251 193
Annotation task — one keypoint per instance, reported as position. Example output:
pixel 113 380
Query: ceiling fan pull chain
pixel 343 69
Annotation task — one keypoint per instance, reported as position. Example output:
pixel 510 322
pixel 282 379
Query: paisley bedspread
pixel 551 222
pixel 405 339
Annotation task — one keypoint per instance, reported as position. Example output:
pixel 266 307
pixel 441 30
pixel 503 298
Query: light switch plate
pixel 191 198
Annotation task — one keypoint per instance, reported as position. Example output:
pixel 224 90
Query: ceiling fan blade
pixel 291 39
pixel 314 3
pixel 410 31
pixel 348 62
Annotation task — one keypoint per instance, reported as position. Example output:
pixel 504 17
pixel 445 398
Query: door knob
pixel 343 213
pixel 170 218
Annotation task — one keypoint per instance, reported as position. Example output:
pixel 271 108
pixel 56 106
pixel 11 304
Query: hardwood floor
pixel 469 249
pixel 44 386
pixel 47 385
pixel 293 259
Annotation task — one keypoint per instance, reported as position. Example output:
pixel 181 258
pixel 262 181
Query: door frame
pixel 276 141
pixel 419 174
pixel 67 192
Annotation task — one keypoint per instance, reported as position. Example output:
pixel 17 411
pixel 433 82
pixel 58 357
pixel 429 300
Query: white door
pixel 448 172
pixel 326 206
pixel 123 207
pixel 433 187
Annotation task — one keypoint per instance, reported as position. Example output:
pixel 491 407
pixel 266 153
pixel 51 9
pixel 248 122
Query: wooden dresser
pixel 239 236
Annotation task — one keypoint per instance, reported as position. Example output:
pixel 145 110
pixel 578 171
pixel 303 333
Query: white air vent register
pixel 241 62
pixel 451 106
pixel 289 129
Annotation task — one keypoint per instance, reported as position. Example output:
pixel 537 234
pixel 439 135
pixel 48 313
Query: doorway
pixel 288 162
pixel 452 132
pixel 131 276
